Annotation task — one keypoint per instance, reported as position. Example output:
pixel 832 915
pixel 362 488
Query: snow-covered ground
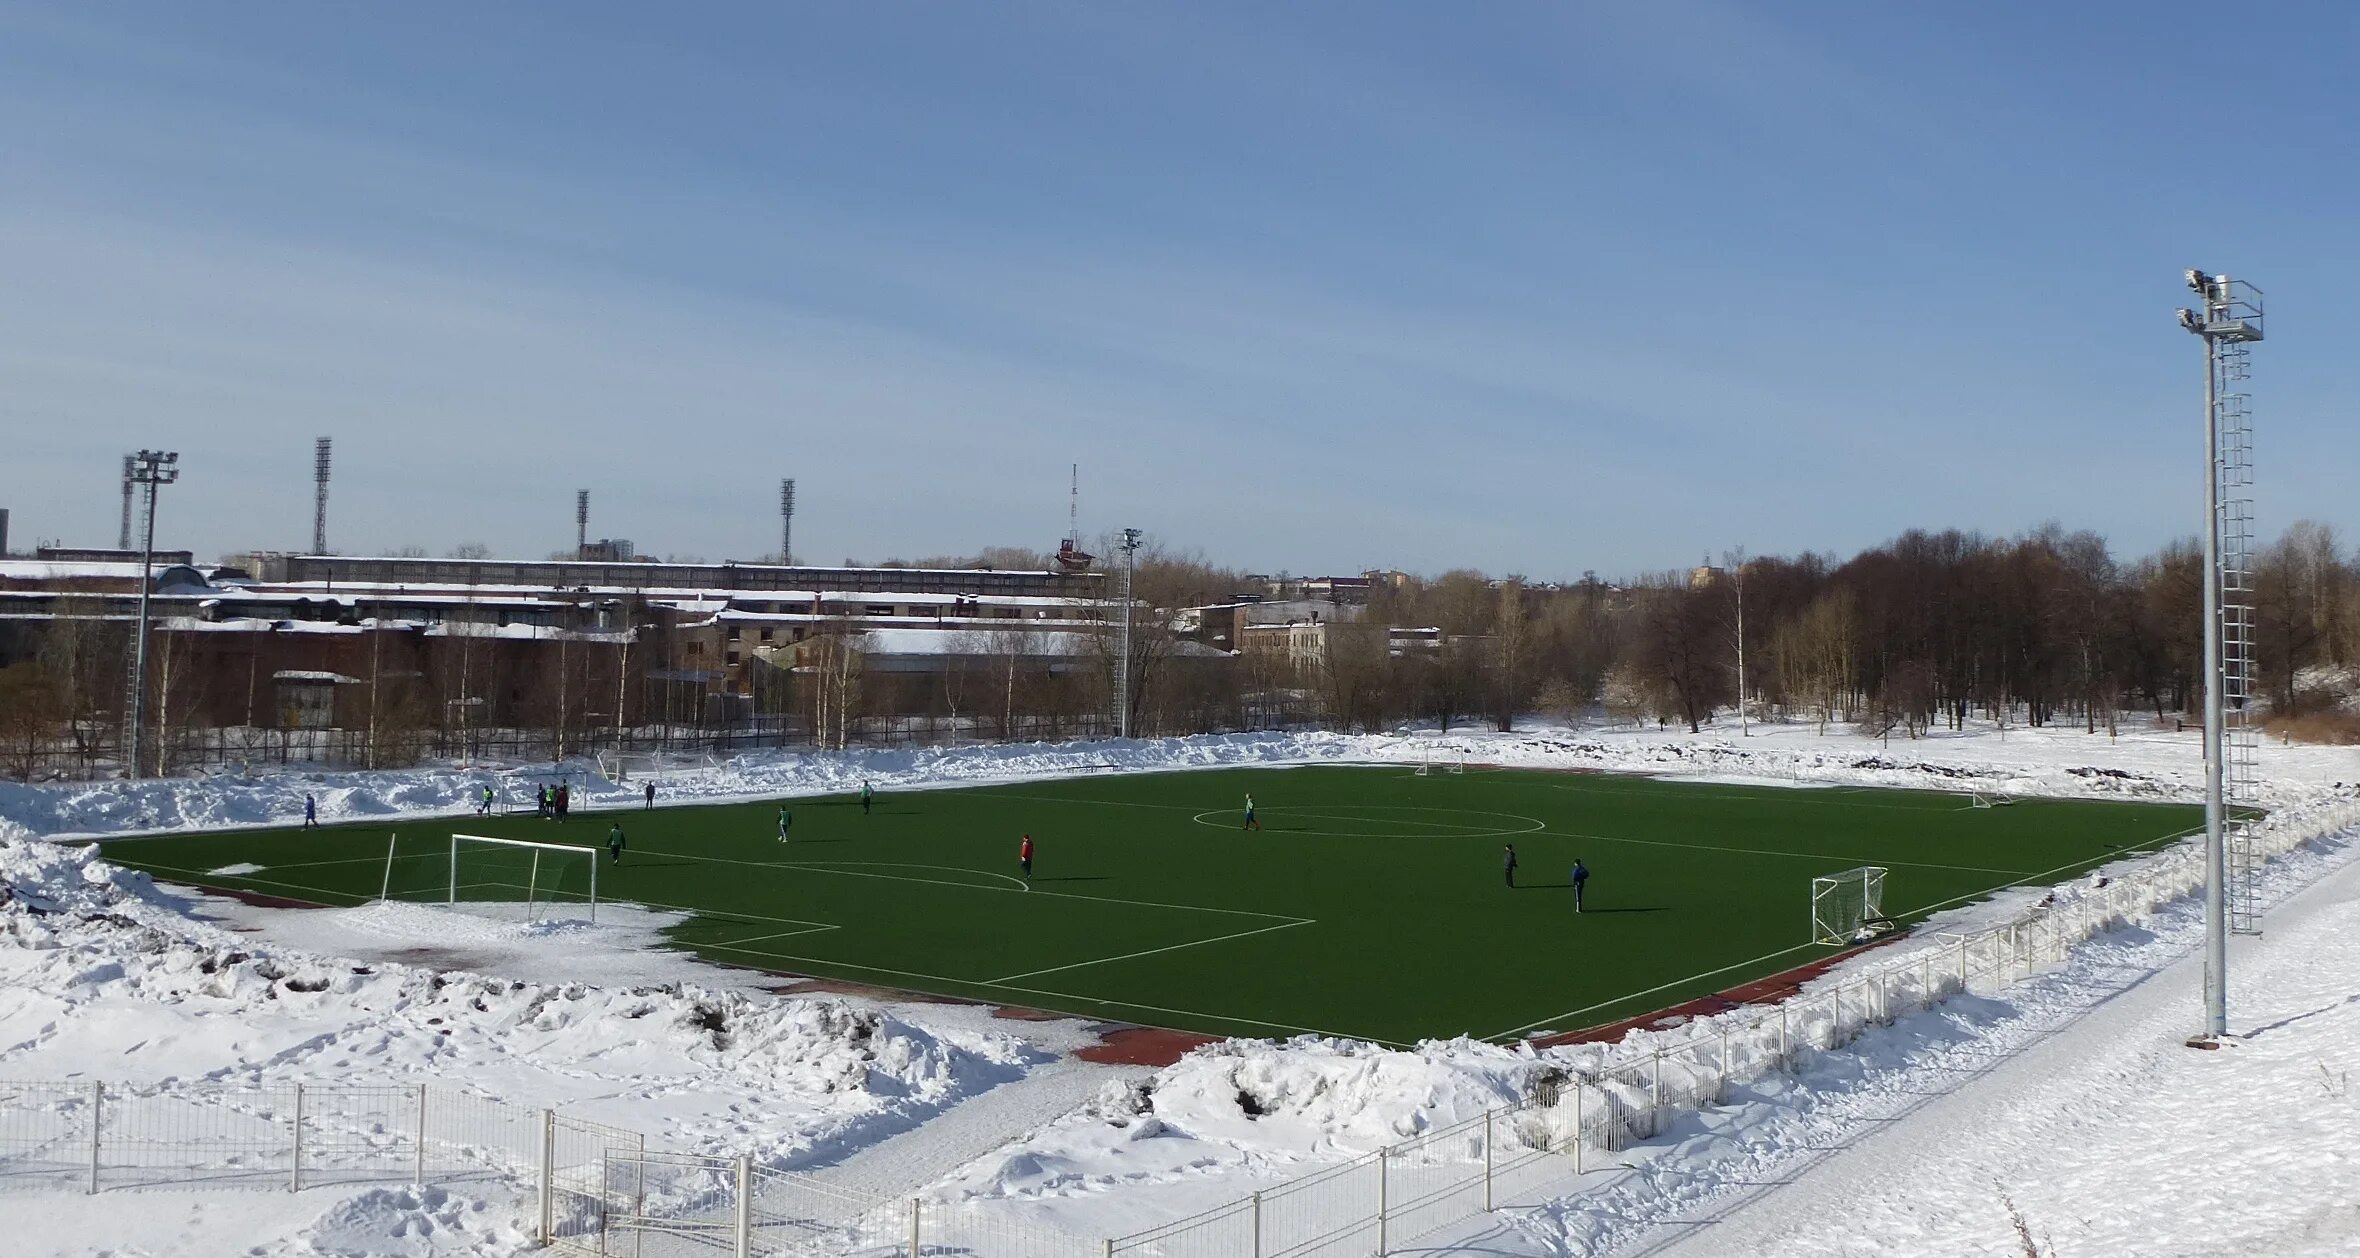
pixel 104 976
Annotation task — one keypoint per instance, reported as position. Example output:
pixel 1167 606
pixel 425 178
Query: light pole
pixel 154 469
pixel 1122 671
pixel 2230 319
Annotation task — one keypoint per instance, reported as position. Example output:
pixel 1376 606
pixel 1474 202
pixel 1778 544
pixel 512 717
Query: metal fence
pixel 1541 1148
pixel 603 1191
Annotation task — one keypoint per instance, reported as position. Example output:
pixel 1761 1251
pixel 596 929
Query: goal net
pixel 1848 907
pixel 1992 799
pixel 515 880
pixel 620 767
pixel 1429 766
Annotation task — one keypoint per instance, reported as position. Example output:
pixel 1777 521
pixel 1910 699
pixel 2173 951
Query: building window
pixel 766 635
pixel 732 659
pixel 733 633
pixel 879 609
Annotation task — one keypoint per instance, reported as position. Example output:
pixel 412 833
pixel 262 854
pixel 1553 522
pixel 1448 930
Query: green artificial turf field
pixel 1370 904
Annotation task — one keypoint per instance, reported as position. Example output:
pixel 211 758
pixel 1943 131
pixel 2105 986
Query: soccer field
pixel 1370 904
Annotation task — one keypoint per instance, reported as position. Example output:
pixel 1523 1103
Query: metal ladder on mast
pixel 2241 732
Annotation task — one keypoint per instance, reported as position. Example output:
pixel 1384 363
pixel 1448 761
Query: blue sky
pixel 1540 288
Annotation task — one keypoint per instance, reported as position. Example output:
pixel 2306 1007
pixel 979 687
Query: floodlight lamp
pixel 2189 320
pixel 2198 282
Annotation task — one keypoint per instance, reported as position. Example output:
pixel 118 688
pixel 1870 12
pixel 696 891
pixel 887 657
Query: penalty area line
pixel 1149 952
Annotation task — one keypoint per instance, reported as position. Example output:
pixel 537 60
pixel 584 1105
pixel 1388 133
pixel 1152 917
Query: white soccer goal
pixel 1991 799
pixel 1429 766
pixel 1848 907
pixel 506 878
pixel 619 767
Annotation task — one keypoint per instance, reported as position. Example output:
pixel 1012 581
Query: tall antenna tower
pixel 319 495
pixel 786 518
pixel 581 523
pixel 2230 322
pixel 1070 555
pixel 123 534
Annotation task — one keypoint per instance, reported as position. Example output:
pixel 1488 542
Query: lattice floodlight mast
pixel 581 524
pixel 1122 669
pixel 154 469
pixel 2229 321
pixel 1842 904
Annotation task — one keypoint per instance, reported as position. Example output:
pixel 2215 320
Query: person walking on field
pixel 486 805
pixel 1510 863
pixel 1024 858
pixel 649 792
pixel 1251 822
pixel 614 844
pixel 311 813
pixel 866 797
pixel 786 822
pixel 565 800
pixel 1581 874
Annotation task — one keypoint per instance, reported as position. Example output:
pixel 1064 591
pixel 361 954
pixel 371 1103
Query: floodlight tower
pixel 1122 671
pixel 2229 321
pixel 786 521
pixel 154 469
pixel 581 524
pixel 319 496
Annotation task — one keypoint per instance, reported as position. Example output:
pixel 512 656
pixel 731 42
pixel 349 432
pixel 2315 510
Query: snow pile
pixel 105 978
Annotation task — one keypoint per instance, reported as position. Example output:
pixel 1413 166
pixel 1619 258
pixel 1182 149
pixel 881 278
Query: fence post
pixel 1486 1175
pixel 421 1176
pixel 1962 965
pixel 1786 1045
pixel 1724 1061
pixel 1577 1127
pixel 915 1240
pixel 548 1176
pixel 297 1184
pixel 1655 1094
pixel 745 1206
pixel 1383 1156
pixel 1257 1226
pixel 97 1118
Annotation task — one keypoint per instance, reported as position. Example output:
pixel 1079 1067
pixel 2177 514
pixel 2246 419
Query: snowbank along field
pixel 1363 939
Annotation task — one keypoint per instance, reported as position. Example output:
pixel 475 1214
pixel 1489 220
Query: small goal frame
pixel 532 878
pixel 1846 902
pixel 1988 799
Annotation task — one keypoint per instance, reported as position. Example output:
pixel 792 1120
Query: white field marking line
pixel 2029 879
pixel 1536 827
pixel 1931 908
pixel 1037 991
pixel 1817 856
pixel 1616 1000
pixel 200 874
pixel 1149 952
pixel 969 886
pixel 1382 813
pixel 1787 794
pixel 951 869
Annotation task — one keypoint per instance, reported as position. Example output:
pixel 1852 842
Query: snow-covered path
pixel 2107 1134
